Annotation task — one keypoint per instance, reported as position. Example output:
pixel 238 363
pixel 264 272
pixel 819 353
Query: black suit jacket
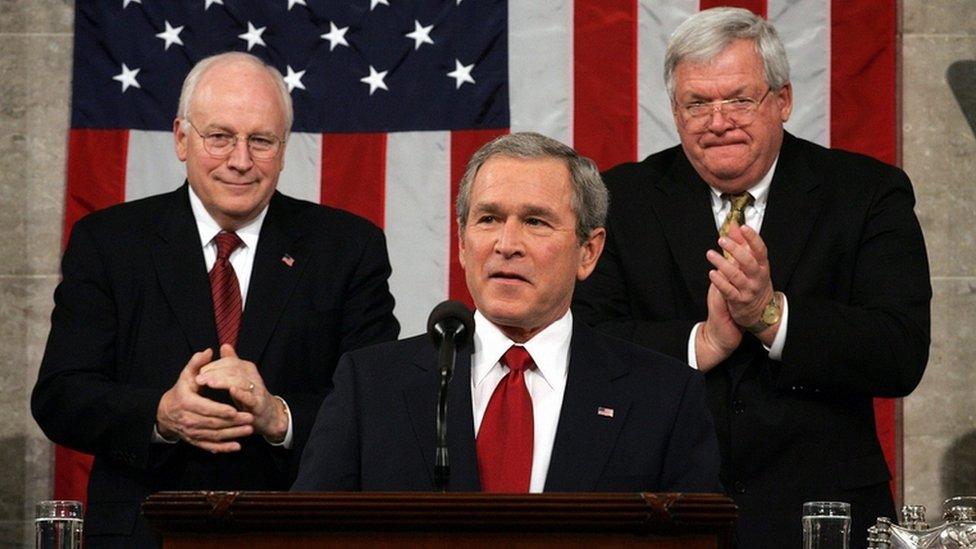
pixel 376 430
pixel 134 305
pixel 846 249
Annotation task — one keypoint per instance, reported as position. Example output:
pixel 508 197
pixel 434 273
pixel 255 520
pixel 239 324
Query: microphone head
pixel 451 319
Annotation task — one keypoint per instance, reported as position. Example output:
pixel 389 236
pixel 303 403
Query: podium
pixel 283 520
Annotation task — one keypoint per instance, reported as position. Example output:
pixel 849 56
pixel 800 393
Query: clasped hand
pixel 740 289
pixel 183 413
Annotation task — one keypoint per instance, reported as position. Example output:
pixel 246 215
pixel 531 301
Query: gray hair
pixel 205 64
pixel 590 198
pixel 707 33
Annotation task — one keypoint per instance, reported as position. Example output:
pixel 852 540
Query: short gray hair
pixel 196 74
pixel 707 33
pixel 590 198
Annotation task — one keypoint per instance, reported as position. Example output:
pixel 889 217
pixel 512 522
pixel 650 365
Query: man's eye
pixel 261 142
pixel 219 138
pixel 486 219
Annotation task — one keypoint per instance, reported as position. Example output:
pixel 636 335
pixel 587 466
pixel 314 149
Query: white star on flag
pixel 375 80
pixel 127 77
pixel 374 3
pixel 461 73
pixel 171 35
pixel 336 36
pixel 207 6
pixel 125 3
pixel 293 2
pixel 420 34
pixel 294 79
pixel 253 36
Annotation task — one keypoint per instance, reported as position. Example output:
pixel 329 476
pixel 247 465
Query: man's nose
pixel 510 240
pixel 240 157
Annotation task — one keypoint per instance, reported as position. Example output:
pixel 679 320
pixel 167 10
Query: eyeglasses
pixel 219 144
pixel 741 111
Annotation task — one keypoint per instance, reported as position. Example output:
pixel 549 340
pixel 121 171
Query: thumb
pixel 227 351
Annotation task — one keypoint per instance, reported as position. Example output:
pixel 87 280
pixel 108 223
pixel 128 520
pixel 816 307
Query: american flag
pixel 393 96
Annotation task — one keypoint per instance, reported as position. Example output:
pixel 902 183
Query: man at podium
pixel 538 402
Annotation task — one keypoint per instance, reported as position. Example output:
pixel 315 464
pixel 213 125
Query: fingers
pixel 198 361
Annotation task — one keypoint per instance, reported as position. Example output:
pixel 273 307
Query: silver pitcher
pixel 957 532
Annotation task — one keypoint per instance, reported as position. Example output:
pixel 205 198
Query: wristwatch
pixel 770 315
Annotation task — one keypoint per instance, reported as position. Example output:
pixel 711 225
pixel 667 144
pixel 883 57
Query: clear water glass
pixel 58 525
pixel 826 525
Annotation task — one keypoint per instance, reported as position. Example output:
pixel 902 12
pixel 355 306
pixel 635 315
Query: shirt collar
pixel 208 228
pixel 549 348
pixel 759 191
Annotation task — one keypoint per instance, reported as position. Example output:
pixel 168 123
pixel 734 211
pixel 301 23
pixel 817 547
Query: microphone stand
pixel 442 462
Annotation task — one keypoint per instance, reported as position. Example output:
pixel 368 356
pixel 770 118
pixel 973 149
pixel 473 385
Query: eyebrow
pixel 523 211
pixel 738 92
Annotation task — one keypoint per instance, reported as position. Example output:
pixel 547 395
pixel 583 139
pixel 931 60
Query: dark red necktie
pixel 225 290
pixel 505 436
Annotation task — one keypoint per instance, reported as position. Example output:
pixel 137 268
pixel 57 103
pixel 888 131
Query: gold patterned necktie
pixel 739 203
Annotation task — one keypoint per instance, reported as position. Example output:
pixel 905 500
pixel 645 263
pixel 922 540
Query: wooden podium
pixel 283 520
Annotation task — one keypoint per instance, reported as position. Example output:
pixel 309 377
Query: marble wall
pixel 939 152
pixel 35 71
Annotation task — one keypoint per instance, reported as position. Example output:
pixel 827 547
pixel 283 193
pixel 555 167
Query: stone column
pixel 35 72
pixel 939 153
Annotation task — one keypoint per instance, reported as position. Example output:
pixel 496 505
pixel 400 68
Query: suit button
pixel 739 487
pixel 738 407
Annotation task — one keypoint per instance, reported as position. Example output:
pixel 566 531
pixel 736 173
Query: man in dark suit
pixel 796 329
pixel 541 403
pixel 177 382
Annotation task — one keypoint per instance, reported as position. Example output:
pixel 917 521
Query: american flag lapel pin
pixel 604 411
pixel 288 260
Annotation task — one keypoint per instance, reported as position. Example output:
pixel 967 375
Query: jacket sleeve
pixel 79 400
pixel 877 341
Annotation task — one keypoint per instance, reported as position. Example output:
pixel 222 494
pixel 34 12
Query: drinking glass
pixel 58 525
pixel 826 525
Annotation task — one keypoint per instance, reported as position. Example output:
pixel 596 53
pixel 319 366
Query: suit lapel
pixel 584 437
pixel 421 399
pixel 684 207
pixel 182 271
pixel 272 278
pixel 791 213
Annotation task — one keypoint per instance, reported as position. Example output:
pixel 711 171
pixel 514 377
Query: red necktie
pixel 505 436
pixel 225 290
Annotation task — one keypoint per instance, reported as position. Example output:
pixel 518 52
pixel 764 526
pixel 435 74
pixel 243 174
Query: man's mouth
pixel 508 275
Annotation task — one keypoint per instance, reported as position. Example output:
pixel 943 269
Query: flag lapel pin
pixel 288 260
pixel 604 411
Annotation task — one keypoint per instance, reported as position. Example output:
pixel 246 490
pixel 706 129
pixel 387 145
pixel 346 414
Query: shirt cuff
pixel 286 444
pixel 776 349
pixel 692 355
pixel 160 439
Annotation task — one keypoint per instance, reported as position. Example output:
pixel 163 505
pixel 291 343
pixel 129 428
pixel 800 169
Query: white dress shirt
pixel 546 382
pixel 754 217
pixel 242 259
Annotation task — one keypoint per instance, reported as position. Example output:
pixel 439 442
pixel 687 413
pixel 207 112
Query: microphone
pixel 450 327
pixel 451 319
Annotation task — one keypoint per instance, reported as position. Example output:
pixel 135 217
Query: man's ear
pixel 590 252
pixel 180 139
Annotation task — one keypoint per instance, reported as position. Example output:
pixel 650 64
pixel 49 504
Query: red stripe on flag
pixel 759 7
pixel 605 80
pixel 96 173
pixel 463 144
pixel 863 36
pixel 95 180
pixel 354 173
pixel 863 118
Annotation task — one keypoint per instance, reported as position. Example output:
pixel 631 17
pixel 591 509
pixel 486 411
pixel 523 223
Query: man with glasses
pixel 195 333
pixel 793 275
